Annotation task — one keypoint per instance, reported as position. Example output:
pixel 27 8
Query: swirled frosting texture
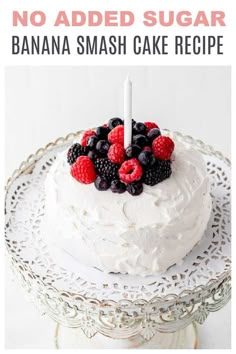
pixel 141 235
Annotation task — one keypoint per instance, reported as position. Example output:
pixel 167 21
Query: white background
pixel 43 103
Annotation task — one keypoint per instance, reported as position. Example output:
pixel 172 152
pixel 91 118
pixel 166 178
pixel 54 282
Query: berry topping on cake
pixel 117 186
pixel 116 135
pixel 162 147
pixel 102 147
pixel 135 188
pixel 150 125
pixel 85 137
pixel 105 168
pixel 102 158
pixel 93 155
pixel 140 140
pixel 130 171
pixel 139 128
pixel 153 134
pixel 114 122
pixel 116 153
pixel 132 151
pixel 157 173
pixel 102 132
pixel 147 148
pixel 102 184
pixel 146 158
pixel 74 152
pixel 92 142
pixel 83 170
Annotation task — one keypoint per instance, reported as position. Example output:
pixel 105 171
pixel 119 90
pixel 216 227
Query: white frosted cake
pixel 140 234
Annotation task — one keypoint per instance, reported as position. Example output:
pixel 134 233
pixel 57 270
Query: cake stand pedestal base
pixel 74 338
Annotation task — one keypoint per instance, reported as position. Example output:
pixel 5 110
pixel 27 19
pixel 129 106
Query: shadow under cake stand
pixel 97 310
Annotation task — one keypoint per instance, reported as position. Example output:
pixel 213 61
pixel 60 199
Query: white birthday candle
pixel 127 112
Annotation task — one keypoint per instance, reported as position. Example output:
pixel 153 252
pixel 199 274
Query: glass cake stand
pixel 96 310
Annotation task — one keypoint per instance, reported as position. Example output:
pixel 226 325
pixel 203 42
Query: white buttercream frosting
pixel 142 234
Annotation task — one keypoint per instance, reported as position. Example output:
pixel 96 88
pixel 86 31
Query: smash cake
pixel 136 210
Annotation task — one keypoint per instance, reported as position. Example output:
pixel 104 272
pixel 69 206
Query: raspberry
pixel 74 152
pixel 106 169
pixel 163 147
pixel 157 173
pixel 116 135
pixel 116 153
pixel 83 170
pixel 150 125
pixel 130 171
pixel 85 137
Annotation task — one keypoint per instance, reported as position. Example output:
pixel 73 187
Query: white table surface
pixel 43 103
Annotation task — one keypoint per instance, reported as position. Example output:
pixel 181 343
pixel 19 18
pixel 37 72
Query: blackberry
pixel 75 151
pixel 157 173
pixel 106 169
